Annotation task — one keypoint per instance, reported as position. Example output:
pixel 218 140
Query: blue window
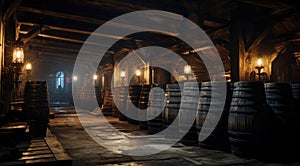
pixel 59 83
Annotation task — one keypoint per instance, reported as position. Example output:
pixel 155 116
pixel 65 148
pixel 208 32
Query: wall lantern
pixel 75 78
pixel 95 77
pixel 122 75
pixel 262 76
pixel 187 71
pixel 138 74
pixel 28 69
pixel 18 55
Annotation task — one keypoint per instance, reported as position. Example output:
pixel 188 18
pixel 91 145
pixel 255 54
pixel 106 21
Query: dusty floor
pixel 85 151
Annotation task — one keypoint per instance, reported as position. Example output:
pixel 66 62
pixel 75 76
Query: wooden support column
pixel 237 46
pixel 234 47
pixel 1 50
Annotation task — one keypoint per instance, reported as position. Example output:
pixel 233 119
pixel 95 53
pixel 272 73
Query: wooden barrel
pixel 143 103
pixel 107 103
pixel 296 108
pixel 115 110
pixel 37 107
pixel 99 95
pixel 134 98
pixel 156 106
pixel 173 98
pixel 219 137
pixel 279 97
pixel 296 96
pixel 122 102
pixel 249 120
pixel 189 104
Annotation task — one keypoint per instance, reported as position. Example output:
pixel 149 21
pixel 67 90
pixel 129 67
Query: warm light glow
pixel 75 78
pixel 18 55
pixel 259 62
pixel 226 75
pixel 28 67
pixel 95 77
pixel 187 69
pixel 122 74
pixel 138 73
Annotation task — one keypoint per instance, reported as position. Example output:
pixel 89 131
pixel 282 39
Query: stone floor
pixel 86 151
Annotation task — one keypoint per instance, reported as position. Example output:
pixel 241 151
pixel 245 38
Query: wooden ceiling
pixel 56 29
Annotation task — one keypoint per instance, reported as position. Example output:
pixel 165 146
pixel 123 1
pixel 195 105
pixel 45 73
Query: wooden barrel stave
pixel 250 120
pixel 218 139
pixel 37 107
pixel 188 109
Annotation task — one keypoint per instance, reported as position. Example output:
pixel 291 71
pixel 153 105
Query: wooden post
pixel 234 47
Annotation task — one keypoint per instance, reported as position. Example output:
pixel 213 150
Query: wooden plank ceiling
pixel 56 29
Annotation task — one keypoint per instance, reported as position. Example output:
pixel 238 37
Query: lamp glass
pixel 259 62
pixel 18 55
pixel 75 78
pixel 187 69
pixel 122 74
pixel 138 73
pixel 28 67
pixel 95 77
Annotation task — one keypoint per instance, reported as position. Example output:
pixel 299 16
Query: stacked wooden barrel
pixel 296 96
pixel 37 107
pixel 250 120
pixel 285 125
pixel 173 98
pixel 143 104
pixel 107 103
pixel 122 102
pixel 155 109
pixel 99 95
pixel 188 109
pixel 134 98
pixel 218 138
pixel 115 110
pixel 296 108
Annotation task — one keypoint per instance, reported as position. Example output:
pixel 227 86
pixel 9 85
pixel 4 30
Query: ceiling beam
pixel 61 15
pixel 257 38
pixel 91 20
pixel 121 5
pixel 72 30
pixel 69 39
pixel 267 4
pixel 34 32
pixel 10 10
pixel 60 49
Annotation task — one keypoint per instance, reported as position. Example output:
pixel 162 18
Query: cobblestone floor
pixel 85 151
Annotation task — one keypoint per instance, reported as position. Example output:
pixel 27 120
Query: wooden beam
pixel 213 5
pixel 69 39
pixel 234 39
pixel 257 38
pixel 55 43
pixel 59 49
pixel 216 29
pixel 90 20
pixel 10 10
pixel 215 19
pixel 267 4
pixel 72 30
pixel 34 32
pixel 118 4
pixel 61 15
